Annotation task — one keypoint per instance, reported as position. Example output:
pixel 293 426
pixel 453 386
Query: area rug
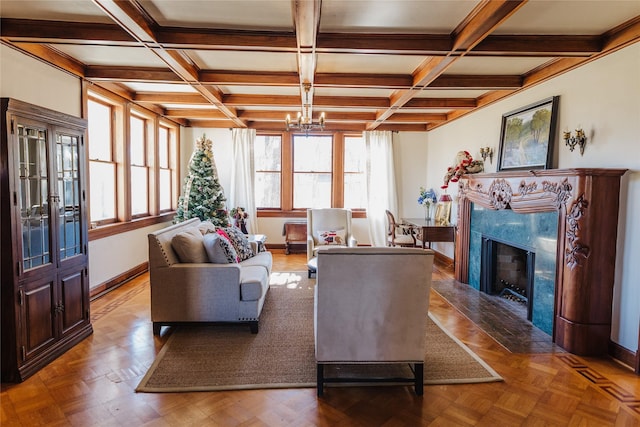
pixel 281 355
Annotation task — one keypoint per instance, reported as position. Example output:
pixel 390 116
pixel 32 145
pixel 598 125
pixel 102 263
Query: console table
pixel 432 232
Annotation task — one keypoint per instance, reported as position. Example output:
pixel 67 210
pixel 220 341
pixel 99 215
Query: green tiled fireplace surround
pixel 535 232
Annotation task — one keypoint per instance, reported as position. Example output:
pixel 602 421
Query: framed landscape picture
pixel 528 135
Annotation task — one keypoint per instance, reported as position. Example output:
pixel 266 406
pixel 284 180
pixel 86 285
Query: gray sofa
pixel 204 292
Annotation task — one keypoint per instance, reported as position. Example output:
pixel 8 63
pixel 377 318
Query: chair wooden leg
pixel 419 378
pixel 320 379
pixel 156 328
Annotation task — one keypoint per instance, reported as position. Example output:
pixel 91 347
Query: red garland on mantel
pixel 464 164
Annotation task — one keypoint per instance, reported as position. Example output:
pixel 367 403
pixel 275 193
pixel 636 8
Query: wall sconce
pixel 486 152
pixel 571 141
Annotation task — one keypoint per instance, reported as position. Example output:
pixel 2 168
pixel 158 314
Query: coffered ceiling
pixel 395 65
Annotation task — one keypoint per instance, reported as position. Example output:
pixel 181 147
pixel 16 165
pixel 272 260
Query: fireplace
pixel 574 271
pixel 507 272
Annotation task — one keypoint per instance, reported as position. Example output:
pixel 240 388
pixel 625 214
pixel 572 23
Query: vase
pixel 427 211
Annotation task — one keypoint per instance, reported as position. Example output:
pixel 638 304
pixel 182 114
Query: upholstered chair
pixel 401 234
pixel 327 227
pixel 371 306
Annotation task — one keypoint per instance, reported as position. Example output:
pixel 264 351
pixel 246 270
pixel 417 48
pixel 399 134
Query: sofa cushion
pixel 262 259
pixel 217 249
pixel 253 282
pixel 227 246
pixel 332 237
pixel 240 243
pixel 189 247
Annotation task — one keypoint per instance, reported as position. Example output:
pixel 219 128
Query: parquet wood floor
pixel 93 384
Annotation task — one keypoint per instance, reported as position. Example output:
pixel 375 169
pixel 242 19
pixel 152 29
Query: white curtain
pixel 242 193
pixel 381 184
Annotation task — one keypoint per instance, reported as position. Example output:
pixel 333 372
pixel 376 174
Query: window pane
pixel 267 152
pixel 139 191
pixel 354 154
pixel 311 190
pixel 102 191
pixel 163 147
pixel 355 196
pixel 354 179
pixel 99 131
pixel 165 189
pixel 267 189
pixel 137 141
pixel 312 154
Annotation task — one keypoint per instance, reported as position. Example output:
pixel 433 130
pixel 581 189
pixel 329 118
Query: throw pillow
pixel 332 237
pixel 217 249
pixel 240 243
pixel 206 227
pixel 227 246
pixel 189 247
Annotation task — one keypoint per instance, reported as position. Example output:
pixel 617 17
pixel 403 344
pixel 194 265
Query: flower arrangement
pixel 464 164
pixel 427 197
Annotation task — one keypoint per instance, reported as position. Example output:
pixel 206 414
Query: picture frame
pixel 443 213
pixel 527 136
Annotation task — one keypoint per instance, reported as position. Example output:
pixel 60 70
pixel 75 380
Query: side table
pixel 259 240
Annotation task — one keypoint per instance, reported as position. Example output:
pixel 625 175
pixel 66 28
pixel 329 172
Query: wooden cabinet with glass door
pixel 45 282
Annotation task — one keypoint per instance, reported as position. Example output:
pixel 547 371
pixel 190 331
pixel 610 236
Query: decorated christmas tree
pixel 202 196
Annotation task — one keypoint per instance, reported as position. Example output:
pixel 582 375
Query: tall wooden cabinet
pixel 43 232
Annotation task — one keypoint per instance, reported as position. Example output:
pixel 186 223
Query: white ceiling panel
pixel 57 10
pixel 160 87
pixel 244 61
pixel 232 14
pixel 394 16
pixel 377 64
pixel 569 17
pixel 498 66
pixel 109 55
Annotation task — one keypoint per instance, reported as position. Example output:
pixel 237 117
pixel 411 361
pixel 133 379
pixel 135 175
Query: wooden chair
pixel 400 234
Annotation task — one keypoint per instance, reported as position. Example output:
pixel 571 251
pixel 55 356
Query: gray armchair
pixel 371 307
pixel 327 227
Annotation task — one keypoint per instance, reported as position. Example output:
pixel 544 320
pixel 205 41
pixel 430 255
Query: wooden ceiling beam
pixel 135 20
pixel 194 113
pixel 263 78
pixel 482 20
pixel 51 56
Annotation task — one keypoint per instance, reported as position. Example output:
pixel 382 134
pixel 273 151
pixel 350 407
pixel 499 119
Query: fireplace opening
pixel 507 271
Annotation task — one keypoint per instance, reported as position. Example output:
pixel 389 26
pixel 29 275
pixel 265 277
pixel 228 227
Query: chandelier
pixel 305 123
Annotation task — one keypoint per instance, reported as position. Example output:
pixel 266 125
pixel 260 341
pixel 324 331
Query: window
pixel 355 188
pixel 133 165
pixel 102 165
pixel 165 169
pixel 312 171
pixel 139 167
pixel 268 165
pixel 295 172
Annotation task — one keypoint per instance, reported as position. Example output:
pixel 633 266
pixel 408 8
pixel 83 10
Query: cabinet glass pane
pixel 69 195
pixel 34 195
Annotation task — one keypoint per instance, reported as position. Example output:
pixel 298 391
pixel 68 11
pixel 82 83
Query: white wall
pixel 28 80
pixel 604 98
